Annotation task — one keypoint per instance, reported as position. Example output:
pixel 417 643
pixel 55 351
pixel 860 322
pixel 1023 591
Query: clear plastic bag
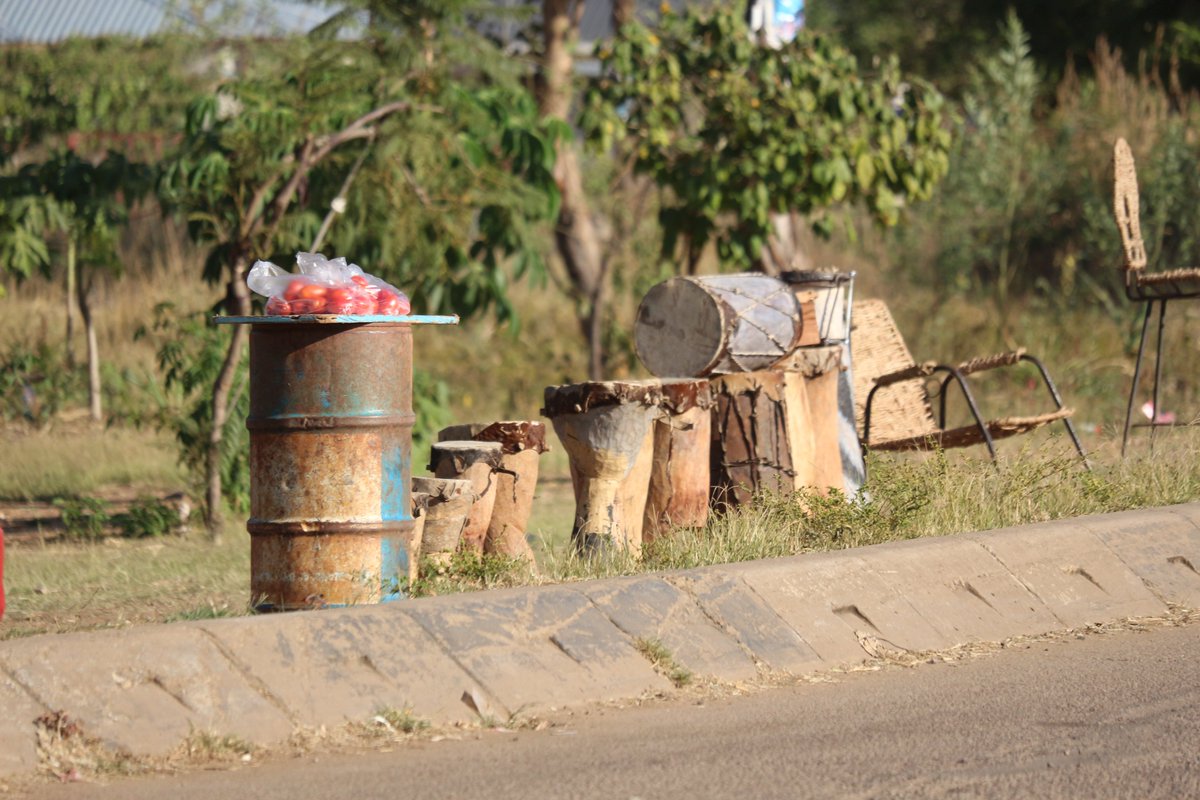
pixel 325 286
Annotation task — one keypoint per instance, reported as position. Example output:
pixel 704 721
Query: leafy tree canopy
pixel 936 38
pixel 737 131
pixel 114 91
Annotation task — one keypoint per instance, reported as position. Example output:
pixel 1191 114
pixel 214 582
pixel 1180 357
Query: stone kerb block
pixel 741 613
pixel 345 665
pixel 651 608
pixel 1079 579
pixel 143 689
pixel 960 589
pixel 835 602
pixel 1160 545
pixel 537 647
pixel 18 735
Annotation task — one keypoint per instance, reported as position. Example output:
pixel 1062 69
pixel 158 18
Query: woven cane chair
pixel 892 405
pixel 1151 288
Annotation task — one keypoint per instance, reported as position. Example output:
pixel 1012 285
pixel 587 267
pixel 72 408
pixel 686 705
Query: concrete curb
pixel 531 649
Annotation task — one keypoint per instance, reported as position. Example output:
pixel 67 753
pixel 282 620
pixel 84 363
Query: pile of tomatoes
pixel 361 297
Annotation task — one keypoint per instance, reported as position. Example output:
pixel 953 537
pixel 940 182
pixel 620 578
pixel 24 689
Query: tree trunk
pixel 95 409
pixel 576 237
pixel 72 288
pixel 238 302
pixel 623 11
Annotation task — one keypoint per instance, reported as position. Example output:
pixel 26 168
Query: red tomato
pixel 392 304
pixel 360 280
pixel 314 291
pixel 363 305
pixel 293 289
pixel 340 295
pixel 278 307
pixel 308 306
pixel 339 306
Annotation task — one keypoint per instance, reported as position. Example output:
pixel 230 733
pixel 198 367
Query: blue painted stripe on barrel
pixel 395 504
pixel 393 569
pixel 395 499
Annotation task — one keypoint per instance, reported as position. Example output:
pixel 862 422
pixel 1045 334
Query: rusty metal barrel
pixel 330 459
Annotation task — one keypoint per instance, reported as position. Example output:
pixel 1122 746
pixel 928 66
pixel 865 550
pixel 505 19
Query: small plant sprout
pixel 663 662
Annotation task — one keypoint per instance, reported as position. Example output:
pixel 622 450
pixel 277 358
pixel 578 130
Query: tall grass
pixel 912 496
pixel 76 460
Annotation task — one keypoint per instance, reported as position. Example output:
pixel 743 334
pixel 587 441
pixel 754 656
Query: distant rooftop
pixel 49 21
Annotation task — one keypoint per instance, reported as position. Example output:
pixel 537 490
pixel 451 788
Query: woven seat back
pixel 1125 207
pixel 877 349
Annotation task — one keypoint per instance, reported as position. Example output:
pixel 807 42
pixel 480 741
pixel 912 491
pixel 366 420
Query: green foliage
pixel 83 517
pixel 117 92
pixel 190 353
pixel 998 175
pixel 661 659
pixel 207 611
pixel 26 217
pixel 738 132
pixel 454 180
pixel 33 384
pixel 402 720
pixel 936 38
pixel 1026 209
pixel 147 517
pixel 431 406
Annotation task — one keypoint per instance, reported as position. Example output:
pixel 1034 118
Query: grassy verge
pixel 79 460
pixel 62 587
pixel 55 588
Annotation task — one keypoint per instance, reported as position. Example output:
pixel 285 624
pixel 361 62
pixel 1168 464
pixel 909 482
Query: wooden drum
pixel 521 444
pixel 478 463
pixel 716 324
pixel 750 437
pixel 679 474
pixel 606 430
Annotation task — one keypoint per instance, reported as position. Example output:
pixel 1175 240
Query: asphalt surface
pixel 1113 715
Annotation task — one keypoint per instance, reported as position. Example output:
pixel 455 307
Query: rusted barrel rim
pixel 327 527
pixel 325 423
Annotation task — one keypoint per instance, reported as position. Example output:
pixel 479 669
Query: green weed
pixel 83 517
pixel 401 720
pixel 209 610
pixel 148 517
pixel 661 659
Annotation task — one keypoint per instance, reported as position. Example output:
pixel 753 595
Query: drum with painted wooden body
pixel 448 502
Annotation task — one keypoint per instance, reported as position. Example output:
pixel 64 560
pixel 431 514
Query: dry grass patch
pixel 60 587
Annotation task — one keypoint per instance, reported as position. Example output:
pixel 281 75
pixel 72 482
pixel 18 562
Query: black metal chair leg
pixel 1154 411
pixel 1137 372
pixel 1058 402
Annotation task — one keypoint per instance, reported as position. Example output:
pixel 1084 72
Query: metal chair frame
pixel 1141 287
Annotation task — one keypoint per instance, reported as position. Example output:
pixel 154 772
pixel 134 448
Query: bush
pixel 83 517
pixel 35 385
pixel 148 517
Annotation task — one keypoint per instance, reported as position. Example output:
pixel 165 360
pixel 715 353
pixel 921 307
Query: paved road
pixel 1104 716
